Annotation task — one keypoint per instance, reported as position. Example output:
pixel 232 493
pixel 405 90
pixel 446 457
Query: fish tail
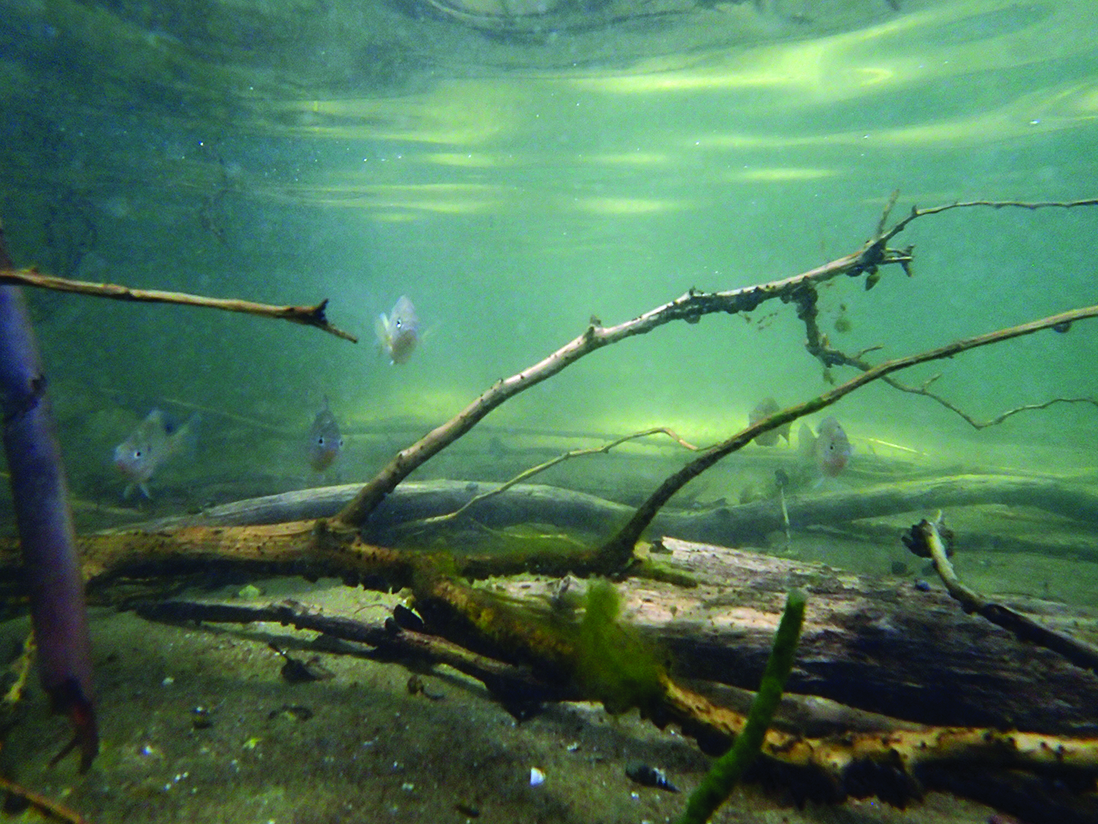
pixel 381 329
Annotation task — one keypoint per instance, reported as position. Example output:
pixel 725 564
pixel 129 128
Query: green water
pixel 516 167
pixel 515 177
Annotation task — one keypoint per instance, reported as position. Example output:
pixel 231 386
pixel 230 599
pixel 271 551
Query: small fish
pixel 152 442
pixel 829 448
pixel 398 333
pixel 325 442
pixel 766 408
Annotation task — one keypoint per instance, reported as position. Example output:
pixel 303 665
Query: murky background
pixel 516 168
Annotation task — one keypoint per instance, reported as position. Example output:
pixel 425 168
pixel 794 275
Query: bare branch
pixel 800 290
pixel 45 806
pixel 619 549
pixel 689 307
pixel 314 316
pixel 976 423
pixel 916 213
pixel 932 539
pixel 535 470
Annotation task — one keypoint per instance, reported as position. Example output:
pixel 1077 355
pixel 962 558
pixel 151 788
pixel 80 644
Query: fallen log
pixel 728 525
pixel 872 644
pixel 880 645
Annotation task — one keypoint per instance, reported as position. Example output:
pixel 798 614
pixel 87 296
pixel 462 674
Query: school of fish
pixel 158 438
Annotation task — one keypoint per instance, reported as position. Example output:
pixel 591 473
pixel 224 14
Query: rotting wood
pixel 883 646
pixel 852 646
pixel 877 644
pixel 819 749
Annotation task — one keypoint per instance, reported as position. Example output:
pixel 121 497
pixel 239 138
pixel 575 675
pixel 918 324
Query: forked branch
pixel 800 290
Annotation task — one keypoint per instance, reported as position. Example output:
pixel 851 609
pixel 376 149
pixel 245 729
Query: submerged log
pixel 878 644
pixel 881 645
pixel 724 524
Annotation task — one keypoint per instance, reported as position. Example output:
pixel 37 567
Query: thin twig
pixel 917 213
pixel 20 672
pixel 976 423
pixel 535 470
pixel 305 315
pixel 44 805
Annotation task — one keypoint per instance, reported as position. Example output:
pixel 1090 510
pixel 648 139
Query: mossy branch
pixel 730 767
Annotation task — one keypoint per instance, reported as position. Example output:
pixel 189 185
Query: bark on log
pixel 876 644
pixel 880 645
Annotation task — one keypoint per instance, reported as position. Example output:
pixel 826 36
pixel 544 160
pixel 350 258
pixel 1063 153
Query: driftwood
pixel 868 643
pixel 877 645
pixel 725 524
pixel 859 638
pixel 933 540
pixel 315 316
pixel 880 645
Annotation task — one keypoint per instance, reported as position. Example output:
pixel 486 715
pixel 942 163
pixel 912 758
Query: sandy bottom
pixel 198 725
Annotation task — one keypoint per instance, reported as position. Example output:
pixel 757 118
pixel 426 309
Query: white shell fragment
pixel 537 777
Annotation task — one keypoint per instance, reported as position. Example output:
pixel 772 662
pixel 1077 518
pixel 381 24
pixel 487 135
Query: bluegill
pixel 398 333
pixel 325 442
pixel 152 442
pixel 766 408
pixel 829 448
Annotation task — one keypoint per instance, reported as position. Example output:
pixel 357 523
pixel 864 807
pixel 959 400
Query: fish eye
pixel 399 323
pixel 320 441
pixel 137 453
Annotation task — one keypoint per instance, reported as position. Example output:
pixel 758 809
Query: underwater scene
pixel 549 411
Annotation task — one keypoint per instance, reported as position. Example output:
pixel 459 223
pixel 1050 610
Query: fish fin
pixel 806 444
pixel 381 331
pixel 144 491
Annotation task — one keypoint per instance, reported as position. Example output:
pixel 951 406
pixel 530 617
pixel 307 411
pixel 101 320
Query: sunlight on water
pixel 517 176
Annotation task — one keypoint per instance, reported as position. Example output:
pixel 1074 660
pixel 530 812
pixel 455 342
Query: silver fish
pixel 829 448
pixel 325 442
pixel 149 446
pixel 766 408
pixel 398 333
